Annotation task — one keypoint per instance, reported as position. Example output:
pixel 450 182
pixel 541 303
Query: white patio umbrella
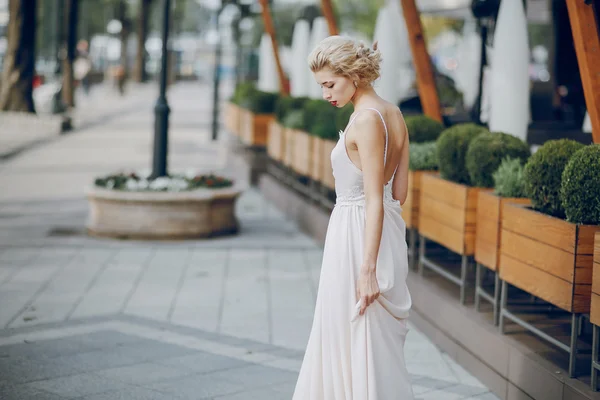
pixel 469 58
pixel 320 31
pixel 587 123
pixel 392 38
pixel 299 78
pixel 267 68
pixel 509 80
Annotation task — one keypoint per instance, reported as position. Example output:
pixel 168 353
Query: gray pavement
pixel 225 318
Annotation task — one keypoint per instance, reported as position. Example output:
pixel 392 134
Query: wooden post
pixel 269 27
pixel 424 70
pixel 329 16
pixel 587 47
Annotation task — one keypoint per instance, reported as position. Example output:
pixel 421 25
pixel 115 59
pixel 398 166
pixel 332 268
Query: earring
pixel 355 84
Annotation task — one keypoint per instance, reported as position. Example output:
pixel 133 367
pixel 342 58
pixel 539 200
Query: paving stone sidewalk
pixel 225 318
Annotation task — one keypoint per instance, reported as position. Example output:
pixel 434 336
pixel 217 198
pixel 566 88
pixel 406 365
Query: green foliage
pixel 580 187
pixel 358 15
pixel 320 119
pixel 294 120
pixel 423 156
pixel 286 104
pixel 263 102
pixel 246 95
pixel 242 92
pixel 284 19
pixel 452 146
pixel 508 178
pixel 487 151
pixel 543 175
pixel 422 128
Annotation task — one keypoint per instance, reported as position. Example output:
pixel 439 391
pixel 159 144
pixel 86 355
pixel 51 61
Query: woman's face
pixel 337 90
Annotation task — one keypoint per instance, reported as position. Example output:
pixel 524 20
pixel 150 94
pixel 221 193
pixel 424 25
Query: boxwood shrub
pixel 422 128
pixel 543 175
pixel 261 102
pixel 452 146
pixel 320 119
pixel 487 151
pixel 286 104
pixel 580 187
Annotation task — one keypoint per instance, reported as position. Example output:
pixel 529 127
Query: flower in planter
pixel 136 182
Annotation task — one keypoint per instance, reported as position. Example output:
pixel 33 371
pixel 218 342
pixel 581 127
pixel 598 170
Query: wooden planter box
pixel 327 179
pixel 276 141
pixel 288 155
pixel 595 306
pixel 410 208
pixel 447 213
pixel 303 147
pixel 255 128
pixel 489 226
pixel 317 159
pixel 547 257
pixel 232 118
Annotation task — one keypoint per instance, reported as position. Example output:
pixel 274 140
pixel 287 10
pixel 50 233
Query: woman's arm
pixel 370 142
pixel 400 184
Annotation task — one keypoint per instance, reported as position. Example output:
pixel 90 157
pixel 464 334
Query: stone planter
pixel 162 215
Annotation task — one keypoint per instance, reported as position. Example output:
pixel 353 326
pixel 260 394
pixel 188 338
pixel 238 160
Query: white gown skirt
pixel 351 357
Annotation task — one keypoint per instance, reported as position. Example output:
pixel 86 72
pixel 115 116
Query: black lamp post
pixel 217 76
pixel 161 109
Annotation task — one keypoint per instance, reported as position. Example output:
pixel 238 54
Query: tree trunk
pixel 71 17
pixel 142 34
pixel 16 84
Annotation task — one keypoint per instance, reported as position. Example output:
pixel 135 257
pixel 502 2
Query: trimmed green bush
pixel 261 102
pixel 580 187
pixel 312 109
pixel 320 119
pixel 452 146
pixel 508 178
pixel 543 175
pixel 286 104
pixel 422 128
pixel 487 151
pixel 422 156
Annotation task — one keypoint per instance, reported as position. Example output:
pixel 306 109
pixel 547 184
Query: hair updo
pixel 345 57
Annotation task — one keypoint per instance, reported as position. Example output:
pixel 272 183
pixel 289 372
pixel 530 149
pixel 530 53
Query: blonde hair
pixel 345 57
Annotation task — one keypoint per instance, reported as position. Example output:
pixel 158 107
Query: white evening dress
pixel 352 357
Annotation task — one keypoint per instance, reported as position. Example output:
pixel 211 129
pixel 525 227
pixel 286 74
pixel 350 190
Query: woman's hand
pixel 367 288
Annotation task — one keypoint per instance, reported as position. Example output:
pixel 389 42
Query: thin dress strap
pixel 386 134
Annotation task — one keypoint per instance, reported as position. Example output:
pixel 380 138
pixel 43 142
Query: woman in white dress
pixel 356 345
